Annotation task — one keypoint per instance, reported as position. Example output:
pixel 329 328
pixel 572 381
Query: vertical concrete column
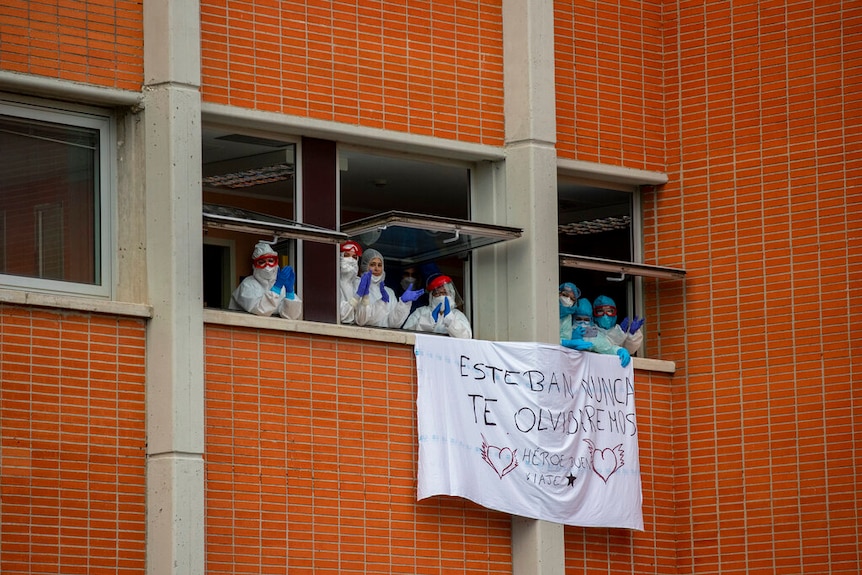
pixel 531 167
pixel 531 201
pixel 175 391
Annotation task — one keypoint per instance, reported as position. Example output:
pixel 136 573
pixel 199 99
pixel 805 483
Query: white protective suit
pixel 453 324
pixel 254 293
pixel 631 341
pixel 371 310
pixel 348 281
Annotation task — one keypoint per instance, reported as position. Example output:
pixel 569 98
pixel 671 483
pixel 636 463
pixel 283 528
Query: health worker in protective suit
pixel 441 314
pixel 583 318
pixel 375 304
pixel 628 334
pixel 409 278
pixel 348 279
pixel 571 338
pixel 269 290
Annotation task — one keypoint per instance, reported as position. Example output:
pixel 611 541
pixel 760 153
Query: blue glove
pixel 446 309
pixel 364 285
pixel 411 294
pixel 578 332
pixel 624 325
pixel 636 325
pixel 384 295
pixel 566 310
pixel 577 344
pixel 286 278
pixel 625 358
pixel 279 283
pixel 436 311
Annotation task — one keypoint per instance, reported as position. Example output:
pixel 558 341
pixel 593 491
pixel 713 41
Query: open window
pixel 416 212
pixel 599 243
pixel 249 195
pixel 55 199
pixel 308 194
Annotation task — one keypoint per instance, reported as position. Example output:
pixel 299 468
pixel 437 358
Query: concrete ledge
pixel 660 365
pixel 235 117
pixel 243 319
pixel 46 87
pixel 610 173
pixel 77 303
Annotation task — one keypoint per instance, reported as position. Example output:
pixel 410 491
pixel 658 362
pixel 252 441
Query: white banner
pixel 531 429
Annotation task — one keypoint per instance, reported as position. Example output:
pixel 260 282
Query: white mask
pixel 377 279
pixel 440 300
pixel 407 282
pixel 349 266
pixel 266 276
pixel 566 301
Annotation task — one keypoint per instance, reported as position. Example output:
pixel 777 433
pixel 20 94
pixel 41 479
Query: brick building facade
pixel 146 428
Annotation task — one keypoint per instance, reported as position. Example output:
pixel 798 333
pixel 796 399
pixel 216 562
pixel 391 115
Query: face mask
pixel 606 321
pixel 377 279
pixel 440 300
pixel 266 276
pixel 566 301
pixel 349 265
pixel 407 282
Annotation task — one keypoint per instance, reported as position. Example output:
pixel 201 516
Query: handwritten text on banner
pixel 531 429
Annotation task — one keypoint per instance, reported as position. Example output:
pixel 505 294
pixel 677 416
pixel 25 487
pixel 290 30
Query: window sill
pixel 242 319
pixel 658 365
pixel 77 303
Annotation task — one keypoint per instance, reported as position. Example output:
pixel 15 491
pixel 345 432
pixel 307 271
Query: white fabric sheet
pixel 530 429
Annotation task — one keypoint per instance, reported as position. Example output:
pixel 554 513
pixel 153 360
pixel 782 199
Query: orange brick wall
pixel 95 42
pixel 428 68
pixel 610 81
pixel 311 464
pixel 72 443
pixel 764 210
pixel 600 551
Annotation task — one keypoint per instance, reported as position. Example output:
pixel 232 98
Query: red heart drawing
pixel 501 459
pixel 605 459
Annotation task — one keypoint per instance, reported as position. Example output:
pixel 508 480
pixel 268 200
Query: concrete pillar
pixel 531 201
pixel 175 391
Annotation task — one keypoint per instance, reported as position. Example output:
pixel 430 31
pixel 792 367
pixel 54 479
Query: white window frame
pixel 105 124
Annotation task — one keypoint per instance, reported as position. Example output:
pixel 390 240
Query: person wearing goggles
pixel 268 290
pixel 441 314
pixel 582 322
pixel 627 334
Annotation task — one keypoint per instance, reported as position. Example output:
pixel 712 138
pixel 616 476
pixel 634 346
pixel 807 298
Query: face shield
pixel 441 287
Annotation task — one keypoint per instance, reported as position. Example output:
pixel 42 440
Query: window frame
pixel 622 180
pixel 104 123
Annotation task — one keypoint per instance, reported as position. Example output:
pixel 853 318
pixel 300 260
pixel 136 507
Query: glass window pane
pixel 596 222
pixel 373 184
pixel 243 175
pixel 49 196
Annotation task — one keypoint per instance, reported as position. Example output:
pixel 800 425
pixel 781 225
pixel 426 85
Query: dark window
pixel 52 198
